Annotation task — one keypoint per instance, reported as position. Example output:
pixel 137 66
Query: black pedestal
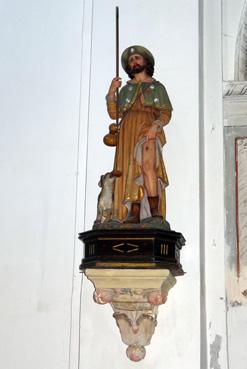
pixel 133 249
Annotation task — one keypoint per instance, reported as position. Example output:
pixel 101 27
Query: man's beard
pixel 137 69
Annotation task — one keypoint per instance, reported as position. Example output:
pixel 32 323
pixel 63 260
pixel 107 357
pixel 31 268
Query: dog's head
pixel 109 177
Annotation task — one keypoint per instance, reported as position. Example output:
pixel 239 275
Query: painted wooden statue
pixel 144 108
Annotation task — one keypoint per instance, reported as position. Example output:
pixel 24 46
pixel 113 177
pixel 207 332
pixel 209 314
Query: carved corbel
pixel 134 295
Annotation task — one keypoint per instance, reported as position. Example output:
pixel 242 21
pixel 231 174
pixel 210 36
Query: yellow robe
pixel 129 187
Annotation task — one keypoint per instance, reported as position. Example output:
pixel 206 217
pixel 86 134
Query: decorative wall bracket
pixel 133 248
pixel 134 295
pixel 133 270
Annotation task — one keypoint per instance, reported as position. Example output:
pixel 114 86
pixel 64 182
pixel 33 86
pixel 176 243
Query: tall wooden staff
pixel 117 59
pixel 111 138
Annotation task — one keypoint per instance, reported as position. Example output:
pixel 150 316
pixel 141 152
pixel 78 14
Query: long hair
pixel 149 68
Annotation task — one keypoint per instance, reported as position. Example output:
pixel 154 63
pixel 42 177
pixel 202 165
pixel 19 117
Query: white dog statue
pixel 105 198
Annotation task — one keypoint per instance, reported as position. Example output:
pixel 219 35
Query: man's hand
pixel 115 84
pixel 152 133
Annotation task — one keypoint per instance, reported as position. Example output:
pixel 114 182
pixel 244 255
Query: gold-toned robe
pixel 135 123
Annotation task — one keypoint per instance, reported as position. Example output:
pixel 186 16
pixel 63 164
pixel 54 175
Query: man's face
pixel 137 63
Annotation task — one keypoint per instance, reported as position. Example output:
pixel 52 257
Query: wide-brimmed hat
pixel 136 49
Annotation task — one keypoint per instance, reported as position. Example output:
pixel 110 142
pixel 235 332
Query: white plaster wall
pixel 213 186
pixel 40 76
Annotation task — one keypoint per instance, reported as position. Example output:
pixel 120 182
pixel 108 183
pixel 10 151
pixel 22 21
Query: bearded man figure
pixel 144 108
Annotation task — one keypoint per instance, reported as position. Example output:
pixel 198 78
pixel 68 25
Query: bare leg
pixel 148 168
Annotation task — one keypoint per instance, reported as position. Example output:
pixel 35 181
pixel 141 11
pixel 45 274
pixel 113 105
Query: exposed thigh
pixel 149 152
